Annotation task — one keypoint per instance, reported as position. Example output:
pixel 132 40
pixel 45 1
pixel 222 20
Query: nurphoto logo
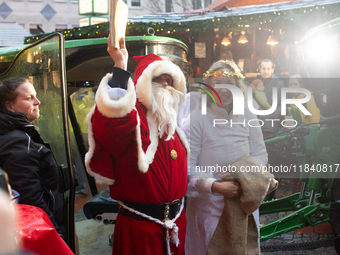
pixel 238 99
pixel 239 103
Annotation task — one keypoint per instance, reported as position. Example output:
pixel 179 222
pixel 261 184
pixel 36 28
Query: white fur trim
pixel 114 108
pixel 99 179
pixel 205 184
pixel 184 140
pixel 200 187
pixel 145 159
pixel 156 68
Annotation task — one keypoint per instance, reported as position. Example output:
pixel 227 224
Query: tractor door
pixel 43 63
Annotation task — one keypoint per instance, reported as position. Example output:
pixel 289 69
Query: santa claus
pixel 136 147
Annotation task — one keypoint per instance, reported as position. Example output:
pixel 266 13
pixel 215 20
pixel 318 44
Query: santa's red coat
pixel 117 145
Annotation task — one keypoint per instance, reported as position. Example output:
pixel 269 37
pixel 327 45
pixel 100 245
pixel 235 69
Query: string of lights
pixel 301 18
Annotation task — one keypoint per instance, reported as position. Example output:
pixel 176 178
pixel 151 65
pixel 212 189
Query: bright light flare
pixel 322 48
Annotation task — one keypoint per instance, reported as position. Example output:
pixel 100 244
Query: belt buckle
pixel 121 209
pixel 166 213
pixel 176 201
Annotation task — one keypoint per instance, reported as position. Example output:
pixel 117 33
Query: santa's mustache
pixel 166 101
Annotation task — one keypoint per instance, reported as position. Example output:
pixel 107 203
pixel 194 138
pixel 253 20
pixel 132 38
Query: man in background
pixel 271 122
pixel 270 81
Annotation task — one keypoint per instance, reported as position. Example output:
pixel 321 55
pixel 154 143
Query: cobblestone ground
pixel 286 188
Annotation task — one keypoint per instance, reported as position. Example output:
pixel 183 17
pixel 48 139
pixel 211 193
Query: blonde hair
pixel 231 65
pixel 224 64
pixel 234 71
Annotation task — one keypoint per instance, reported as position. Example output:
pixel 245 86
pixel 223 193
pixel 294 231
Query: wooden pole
pixel 254 48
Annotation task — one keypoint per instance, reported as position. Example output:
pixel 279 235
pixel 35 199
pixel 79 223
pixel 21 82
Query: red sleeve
pixel 114 134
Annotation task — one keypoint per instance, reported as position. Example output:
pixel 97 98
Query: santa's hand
pixel 120 56
pixel 229 189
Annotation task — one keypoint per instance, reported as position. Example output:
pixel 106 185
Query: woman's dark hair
pixel 8 91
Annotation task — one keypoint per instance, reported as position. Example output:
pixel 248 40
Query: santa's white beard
pixel 165 102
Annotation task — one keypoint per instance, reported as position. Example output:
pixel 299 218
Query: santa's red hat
pixel 150 66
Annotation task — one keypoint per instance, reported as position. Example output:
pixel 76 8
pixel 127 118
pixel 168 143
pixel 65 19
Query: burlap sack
pixel 236 233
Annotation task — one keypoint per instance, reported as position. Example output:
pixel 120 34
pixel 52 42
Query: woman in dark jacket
pixel 27 159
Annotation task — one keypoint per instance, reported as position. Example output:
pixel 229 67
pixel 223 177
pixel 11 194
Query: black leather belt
pixel 158 211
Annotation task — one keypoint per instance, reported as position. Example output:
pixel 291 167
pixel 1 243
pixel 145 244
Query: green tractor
pixel 313 148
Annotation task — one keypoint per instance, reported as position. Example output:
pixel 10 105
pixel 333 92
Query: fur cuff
pixel 115 108
pixel 205 184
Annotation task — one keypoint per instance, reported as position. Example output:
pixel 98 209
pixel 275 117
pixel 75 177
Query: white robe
pixel 215 146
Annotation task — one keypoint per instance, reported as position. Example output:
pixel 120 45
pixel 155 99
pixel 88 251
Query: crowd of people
pixel 147 148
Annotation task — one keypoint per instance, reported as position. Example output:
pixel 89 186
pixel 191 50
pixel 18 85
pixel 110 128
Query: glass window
pixel 197 4
pixel 36 29
pixel 168 5
pixel 206 3
pixel 41 64
pixel 135 3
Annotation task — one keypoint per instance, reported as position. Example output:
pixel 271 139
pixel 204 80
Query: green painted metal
pixel 290 203
pixel 308 216
pixel 97 41
pixel 284 204
pixel 274 140
pixel 8 54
